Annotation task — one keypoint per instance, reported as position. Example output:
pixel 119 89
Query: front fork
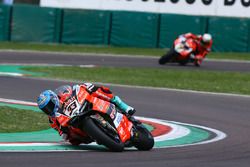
pixel 103 123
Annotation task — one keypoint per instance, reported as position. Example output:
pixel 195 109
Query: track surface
pixel 115 61
pixel 229 114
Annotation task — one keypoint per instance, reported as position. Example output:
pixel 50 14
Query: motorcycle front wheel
pixel 168 57
pixel 98 134
pixel 143 139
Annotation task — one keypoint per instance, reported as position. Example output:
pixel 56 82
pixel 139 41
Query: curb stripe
pixel 170 134
pixel 159 129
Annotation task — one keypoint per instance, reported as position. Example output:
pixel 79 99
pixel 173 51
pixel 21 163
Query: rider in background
pixel 203 45
pixel 54 102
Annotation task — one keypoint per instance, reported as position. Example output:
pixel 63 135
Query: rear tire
pixel 93 130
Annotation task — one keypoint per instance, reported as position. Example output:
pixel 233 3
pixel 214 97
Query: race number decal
pixel 89 86
pixel 72 109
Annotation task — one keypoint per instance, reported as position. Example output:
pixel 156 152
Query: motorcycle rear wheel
pixel 93 130
pixel 183 62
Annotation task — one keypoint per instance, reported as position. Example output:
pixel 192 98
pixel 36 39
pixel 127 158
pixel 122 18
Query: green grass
pixel 109 49
pixel 18 120
pixel 82 48
pixel 226 82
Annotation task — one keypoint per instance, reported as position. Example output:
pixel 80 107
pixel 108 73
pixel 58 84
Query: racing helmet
pixel 64 92
pixel 48 102
pixel 206 38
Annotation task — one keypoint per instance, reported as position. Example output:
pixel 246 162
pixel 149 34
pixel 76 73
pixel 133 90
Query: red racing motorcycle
pixel 101 121
pixel 182 52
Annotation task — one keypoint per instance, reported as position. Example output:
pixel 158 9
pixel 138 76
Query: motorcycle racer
pixel 188 48
pixel 54 102
pixel 203 46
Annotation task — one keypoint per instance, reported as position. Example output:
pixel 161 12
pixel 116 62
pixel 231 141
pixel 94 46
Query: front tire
pixel 169 56
pixel 93 130
pixel 143 139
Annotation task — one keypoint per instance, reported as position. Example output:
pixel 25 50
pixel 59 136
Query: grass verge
pixel 224 82
pixel 18 120
pixel 82 48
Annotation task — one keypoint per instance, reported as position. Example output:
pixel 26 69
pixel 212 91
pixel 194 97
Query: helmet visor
pixel 49 108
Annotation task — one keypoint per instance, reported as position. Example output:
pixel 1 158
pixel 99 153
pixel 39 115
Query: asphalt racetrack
pixel 227 113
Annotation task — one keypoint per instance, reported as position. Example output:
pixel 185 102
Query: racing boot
pixel 123 106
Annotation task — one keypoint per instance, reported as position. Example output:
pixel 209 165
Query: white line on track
pixel 44 64
pixel 11 101
pixel 148 87
pixel 11 74
pixel 176 90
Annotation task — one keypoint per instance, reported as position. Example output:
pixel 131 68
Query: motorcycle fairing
pixel 184 46
pixel 62 119
pixel 73 107
pixel 122 124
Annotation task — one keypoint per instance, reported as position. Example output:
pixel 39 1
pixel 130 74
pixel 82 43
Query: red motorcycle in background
pixel 182 52
pixel 101 122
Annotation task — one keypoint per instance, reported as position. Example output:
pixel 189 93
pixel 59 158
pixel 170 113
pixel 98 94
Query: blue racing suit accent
pixel 120 104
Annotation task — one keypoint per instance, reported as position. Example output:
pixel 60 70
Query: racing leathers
pixel 202 49
pixel 71 134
